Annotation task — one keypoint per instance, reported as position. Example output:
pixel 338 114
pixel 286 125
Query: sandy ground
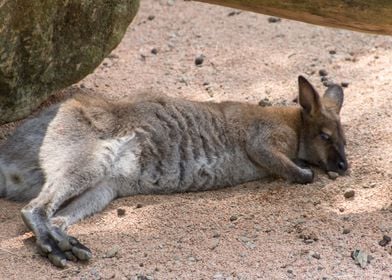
pixel 261 230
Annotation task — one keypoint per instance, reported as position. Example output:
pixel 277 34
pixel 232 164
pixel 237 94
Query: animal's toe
pixel 79 250
pixel 50 249
pixel 45 245
pixel 65 245
pixel 58 258
pixel 70 256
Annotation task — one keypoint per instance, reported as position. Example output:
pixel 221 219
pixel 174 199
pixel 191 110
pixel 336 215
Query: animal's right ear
pixel 308 96
pixel 334 97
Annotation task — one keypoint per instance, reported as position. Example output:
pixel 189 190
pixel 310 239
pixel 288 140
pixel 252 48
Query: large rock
pixel 47 45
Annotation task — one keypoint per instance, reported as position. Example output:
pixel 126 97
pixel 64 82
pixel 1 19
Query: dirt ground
pixel 261 230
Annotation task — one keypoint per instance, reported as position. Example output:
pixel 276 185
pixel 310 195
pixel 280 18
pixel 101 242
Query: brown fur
pixel 76 157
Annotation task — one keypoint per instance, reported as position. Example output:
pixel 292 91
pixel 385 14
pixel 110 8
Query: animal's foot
pixel 60 247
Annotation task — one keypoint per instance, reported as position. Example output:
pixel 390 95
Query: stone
pixel 349 194
pixel 361 258
pixel 121 212
pixel 274 19
pixel 199 60
pixel 233 218
pixel 332 175
pixel 323 72
pixel 344 84
pixel 112 252
pixel 48 45
pixel 154 51
pixel 214 243
pixel 385 241
pixel 315 255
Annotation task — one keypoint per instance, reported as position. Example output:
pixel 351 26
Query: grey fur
pixel 78 156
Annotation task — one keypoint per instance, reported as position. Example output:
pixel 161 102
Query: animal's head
pixel 323 139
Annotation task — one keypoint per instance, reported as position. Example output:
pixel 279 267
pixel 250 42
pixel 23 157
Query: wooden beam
pixel 373 16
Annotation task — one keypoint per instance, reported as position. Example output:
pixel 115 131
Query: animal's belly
pixel 199 174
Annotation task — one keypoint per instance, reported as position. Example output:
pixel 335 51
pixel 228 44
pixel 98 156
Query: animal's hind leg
pixel 55 192
pixel 91 201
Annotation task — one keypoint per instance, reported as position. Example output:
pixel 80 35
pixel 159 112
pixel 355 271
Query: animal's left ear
pixel 333 98
pixel 308 97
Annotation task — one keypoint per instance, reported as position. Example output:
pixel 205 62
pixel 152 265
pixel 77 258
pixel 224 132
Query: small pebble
pixel 151 17
pixel 332 52
pixel 233 13
pixel 274 19
pixel 265 102
pixel 333 175
pixel 112 252
pixel 113 56
pixel 233 218
pixel 344 84
pixel 328 83
pixel 349 194
pixel 385 241
pixel 361 258
pixel 139 205
pixel 154 51
pixel 324 78
pixel 199 60
pixel 316 255
pixel 120 212
pixel 346 231
pixel 214 243
pixel 323 73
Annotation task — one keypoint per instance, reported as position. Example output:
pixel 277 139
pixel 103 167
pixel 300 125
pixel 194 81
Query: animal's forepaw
pixel 309 176
pixel 306 176
pixel 60 247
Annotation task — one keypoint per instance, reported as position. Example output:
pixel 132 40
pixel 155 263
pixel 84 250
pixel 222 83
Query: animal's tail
pixel 19 184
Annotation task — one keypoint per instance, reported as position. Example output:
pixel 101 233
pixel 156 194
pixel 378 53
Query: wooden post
pixel 374 16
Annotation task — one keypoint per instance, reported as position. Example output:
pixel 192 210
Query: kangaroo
pixel 76 157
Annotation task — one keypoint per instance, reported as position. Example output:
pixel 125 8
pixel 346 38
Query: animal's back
pixel 149 145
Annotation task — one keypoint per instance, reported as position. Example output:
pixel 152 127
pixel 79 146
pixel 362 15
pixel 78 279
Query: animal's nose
pixel 342 166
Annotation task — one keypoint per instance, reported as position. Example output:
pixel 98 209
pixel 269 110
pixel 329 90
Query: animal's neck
pixel 301 144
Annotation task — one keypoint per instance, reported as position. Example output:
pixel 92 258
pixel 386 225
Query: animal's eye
pixel 325 136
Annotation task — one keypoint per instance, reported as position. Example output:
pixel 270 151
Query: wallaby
pixel 76 157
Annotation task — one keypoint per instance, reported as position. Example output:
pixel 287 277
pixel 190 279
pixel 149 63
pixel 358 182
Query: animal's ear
pixel 333 98
pixel 308 96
